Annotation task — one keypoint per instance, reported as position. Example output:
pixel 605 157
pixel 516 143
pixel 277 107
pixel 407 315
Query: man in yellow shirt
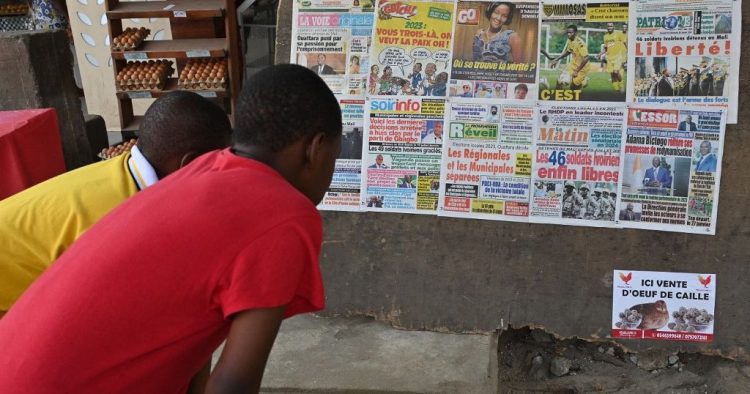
pixel 578 68
pixel 38 224
pixel 616 52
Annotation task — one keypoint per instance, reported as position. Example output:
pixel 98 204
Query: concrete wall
pixel 463 275
pixel 36 71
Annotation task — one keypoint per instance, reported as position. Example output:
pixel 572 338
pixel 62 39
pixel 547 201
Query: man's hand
pixel 241 365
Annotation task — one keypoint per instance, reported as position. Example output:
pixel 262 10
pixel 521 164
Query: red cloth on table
pixel 30 149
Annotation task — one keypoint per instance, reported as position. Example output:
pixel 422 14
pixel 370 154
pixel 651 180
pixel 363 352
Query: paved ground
pixel 360 355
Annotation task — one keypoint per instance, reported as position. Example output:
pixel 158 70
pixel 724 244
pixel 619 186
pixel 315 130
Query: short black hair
pixel 181 122
pixel 574 27
pixel 491 8
pixel 522 86
pixel 281 104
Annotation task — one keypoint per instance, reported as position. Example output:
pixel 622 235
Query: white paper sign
pixel 663 305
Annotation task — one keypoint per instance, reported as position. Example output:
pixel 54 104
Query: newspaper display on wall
pixel 403 70
pixel 583 48
pixel 411 48
pixel 663 306
pixel 333 39
pixel 344 192
pixel 576 169
pixel 487 160
pixel 401 156
pixel 686 53
pixel 671 169
pixel 495 50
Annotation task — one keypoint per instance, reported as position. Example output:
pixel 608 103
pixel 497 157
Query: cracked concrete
pixel 361 355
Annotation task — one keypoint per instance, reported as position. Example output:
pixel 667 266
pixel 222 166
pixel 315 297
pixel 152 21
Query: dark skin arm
pixel 241 365
pixel 557 59
pixel 199 381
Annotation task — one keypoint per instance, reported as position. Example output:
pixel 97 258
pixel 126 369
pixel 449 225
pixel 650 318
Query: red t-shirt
pixel 145 296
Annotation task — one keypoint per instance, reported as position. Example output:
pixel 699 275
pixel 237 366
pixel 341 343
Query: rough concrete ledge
pixel 360 355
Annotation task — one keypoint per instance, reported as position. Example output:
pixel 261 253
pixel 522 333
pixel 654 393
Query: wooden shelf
pixel 162 9
pixel 179 49
pixel 170 86
pixel 200 29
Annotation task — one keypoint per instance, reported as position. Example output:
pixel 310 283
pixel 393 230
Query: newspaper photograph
pixel 486 167
pixel 344 192
pixel 335 45
pixel 686 53
pixel 495 50
pixel 670 306
pixel 411 49
pixel 576 168
pixel 583 49
pixel 402 153
pixel 671 169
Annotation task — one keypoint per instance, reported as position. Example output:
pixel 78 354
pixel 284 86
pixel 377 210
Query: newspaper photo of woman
pixel 497 43
pixel 354 64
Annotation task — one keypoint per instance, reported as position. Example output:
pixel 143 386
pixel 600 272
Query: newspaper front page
pixel 411 49
pixel 486 166
pixel 686 53
pixel 343 194
pixel 401 156
pixel 671 169
pixel 495 50
pixel 583 47
pixel 576 168
pixel 333 39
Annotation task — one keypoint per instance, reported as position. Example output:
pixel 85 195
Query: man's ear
pixel 314 148
pixel 187 158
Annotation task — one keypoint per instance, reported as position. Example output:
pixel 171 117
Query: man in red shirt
pixel 225 248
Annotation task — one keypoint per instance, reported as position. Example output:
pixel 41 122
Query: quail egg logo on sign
pixel 626 277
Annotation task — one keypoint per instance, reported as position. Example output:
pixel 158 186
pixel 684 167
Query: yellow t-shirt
pixel 579 51
pixel 615 44
pixel 38 224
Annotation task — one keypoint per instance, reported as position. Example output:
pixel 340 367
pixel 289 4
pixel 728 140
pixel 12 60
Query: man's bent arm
pixel 241 365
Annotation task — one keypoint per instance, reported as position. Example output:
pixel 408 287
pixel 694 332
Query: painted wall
pixel 461 275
